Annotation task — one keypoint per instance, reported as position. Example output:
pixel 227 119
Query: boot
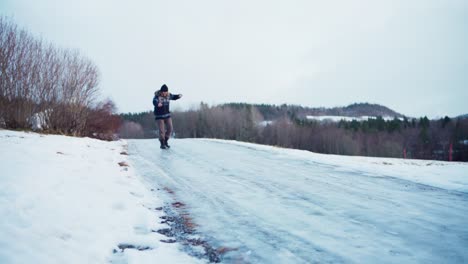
pixel 163 145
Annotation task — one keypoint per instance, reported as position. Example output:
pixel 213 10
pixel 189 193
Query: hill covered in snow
pixel 273 112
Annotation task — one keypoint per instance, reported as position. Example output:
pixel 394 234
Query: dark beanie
pixel 164 88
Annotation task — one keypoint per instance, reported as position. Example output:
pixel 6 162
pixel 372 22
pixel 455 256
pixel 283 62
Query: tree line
pixel 55 87
pixel 414 138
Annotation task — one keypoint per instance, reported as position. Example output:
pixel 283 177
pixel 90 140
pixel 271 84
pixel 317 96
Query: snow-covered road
pixel 287 206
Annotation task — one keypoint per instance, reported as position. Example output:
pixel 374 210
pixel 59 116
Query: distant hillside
pixel 465 116
pixel 365 109
pixel 271 112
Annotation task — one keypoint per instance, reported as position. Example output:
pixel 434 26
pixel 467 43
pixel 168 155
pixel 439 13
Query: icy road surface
pixel 287 206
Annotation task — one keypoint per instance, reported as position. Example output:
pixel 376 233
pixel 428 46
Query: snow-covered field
pixel 66 200
pixel 272 205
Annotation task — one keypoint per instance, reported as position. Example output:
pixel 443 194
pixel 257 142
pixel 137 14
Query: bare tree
pixel 37 77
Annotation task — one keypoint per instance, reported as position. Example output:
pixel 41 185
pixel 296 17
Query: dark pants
pixel 165 128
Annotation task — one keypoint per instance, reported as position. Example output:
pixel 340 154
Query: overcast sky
pixel 409 55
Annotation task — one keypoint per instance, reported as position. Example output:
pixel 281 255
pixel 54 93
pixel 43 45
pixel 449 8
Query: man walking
pixel 162 114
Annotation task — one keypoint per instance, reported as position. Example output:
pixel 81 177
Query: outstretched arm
pixel 175 96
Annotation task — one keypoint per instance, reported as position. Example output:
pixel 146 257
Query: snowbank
pixel 66 200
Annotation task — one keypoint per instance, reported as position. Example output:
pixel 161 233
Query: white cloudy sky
pixel 410 55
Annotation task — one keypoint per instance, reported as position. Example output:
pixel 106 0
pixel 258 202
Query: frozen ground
pixel 66 200
pixel 271 205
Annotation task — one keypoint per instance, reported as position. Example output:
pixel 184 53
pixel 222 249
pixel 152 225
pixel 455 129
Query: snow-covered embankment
pixel 66 200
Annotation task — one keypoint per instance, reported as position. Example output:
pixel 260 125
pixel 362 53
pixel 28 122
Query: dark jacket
pixel 163 111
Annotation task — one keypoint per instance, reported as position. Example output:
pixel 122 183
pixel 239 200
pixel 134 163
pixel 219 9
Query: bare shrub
pixel 102 121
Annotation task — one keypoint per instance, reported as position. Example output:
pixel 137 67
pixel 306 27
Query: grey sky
pixel 410 55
